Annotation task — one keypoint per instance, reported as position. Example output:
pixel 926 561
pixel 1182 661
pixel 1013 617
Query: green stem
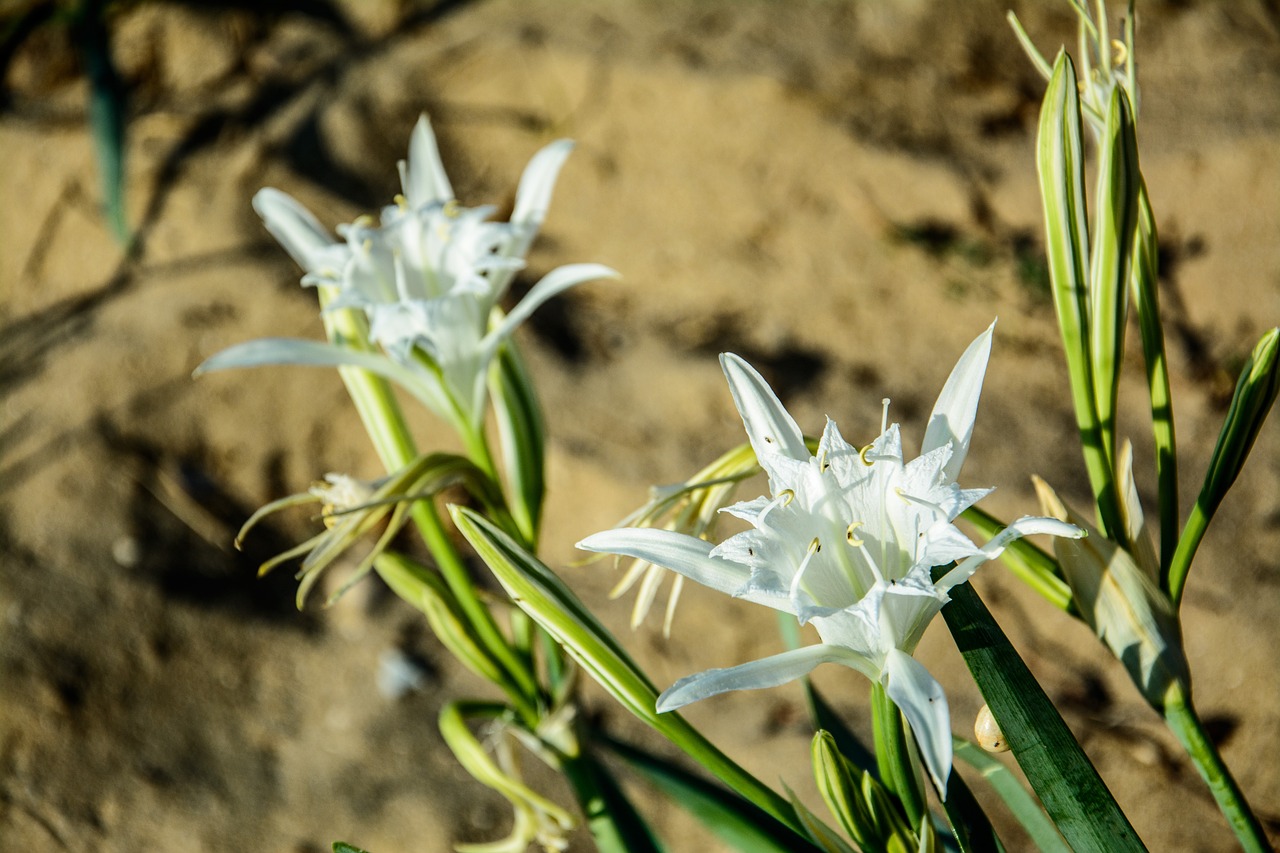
pixel 1187 727
pixel 894 756
pixel 384 421
pixel 1188 543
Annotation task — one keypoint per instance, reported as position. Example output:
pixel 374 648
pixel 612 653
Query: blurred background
pixel 842 192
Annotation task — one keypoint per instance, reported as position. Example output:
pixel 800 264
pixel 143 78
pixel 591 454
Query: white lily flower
pixel 428 275
pixel 847 540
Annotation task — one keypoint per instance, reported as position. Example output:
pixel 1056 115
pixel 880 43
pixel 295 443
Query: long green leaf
pixel 537 591
pixel 1255 394
pixel 614 823
pixel 1117 209
pixel 735 821
pixel 969 823
pixel 1060 162
pixel 1146 299
pixel 1024 806
pixel 523 436
pixel 1067 783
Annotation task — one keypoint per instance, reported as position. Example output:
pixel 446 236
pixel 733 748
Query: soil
pixel 844 193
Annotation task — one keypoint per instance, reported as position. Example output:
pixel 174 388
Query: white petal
pixel 557 281
pixel 767 672
pixel 424 180
pixel 957 406
pixel 296 229
pixel 316 354
pixel 533 196
pixel 1026 526
pixel 769 427
pixel 687 555
pixel 921 699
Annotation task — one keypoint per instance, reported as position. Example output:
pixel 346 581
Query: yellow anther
pixel 862 454
pixel 1122 52
pixel 401 201
pixel 815 546
pixel 854 540
pixel 364 220
pixel 367 245
pixel 823 464
pixel 452 208
pixel 787 497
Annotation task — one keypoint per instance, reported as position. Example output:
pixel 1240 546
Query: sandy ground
pixel 842 192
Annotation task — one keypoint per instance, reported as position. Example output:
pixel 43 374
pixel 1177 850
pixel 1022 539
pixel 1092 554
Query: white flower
pixel 846 540
pixel 428 275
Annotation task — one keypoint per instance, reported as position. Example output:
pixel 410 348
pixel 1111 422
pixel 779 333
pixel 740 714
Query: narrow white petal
pixel 424 180
pixel 286 351
pixel 957 406
pixel 296 229
pixel 767 672
pixel 771 429
pixel 557 281
pixel 1028 525
pixel 533 196
pixel 687 555
pixel 919 695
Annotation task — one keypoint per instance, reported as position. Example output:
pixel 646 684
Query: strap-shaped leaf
pixel 1117 213
pixel 537 591
pixel 735 821
pixel 612 819
pixel 1067 783
pixel 1060 162
pixel 1024 805
pixel 1255 394
pixel 1146 301
pixel 522 431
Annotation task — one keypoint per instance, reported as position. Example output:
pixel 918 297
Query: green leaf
pixel 969 823
pixel 344 847
pixel 106 114
pixel 1117 213
pixel 899 772
pixel 1067 783
pixel 1145 282
pixel 537 591
pixel 523 436
pixel 1255 393
pixel 1060 162
pixel 614 823
pixel 738 823
pixel 1024 805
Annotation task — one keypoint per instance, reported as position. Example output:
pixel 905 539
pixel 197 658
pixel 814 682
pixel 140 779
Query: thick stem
pixel 1187 727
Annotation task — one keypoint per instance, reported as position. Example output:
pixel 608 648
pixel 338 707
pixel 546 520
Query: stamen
pixel 1121 52
pixel 402 283
pixel 871 563
pixel 401 201
pixel 783 498
pixel 814 547
pixel 884 415
pixel 451 208
pixel 364 220
pixel 912 499
pixel 850 538
pixel 862 454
